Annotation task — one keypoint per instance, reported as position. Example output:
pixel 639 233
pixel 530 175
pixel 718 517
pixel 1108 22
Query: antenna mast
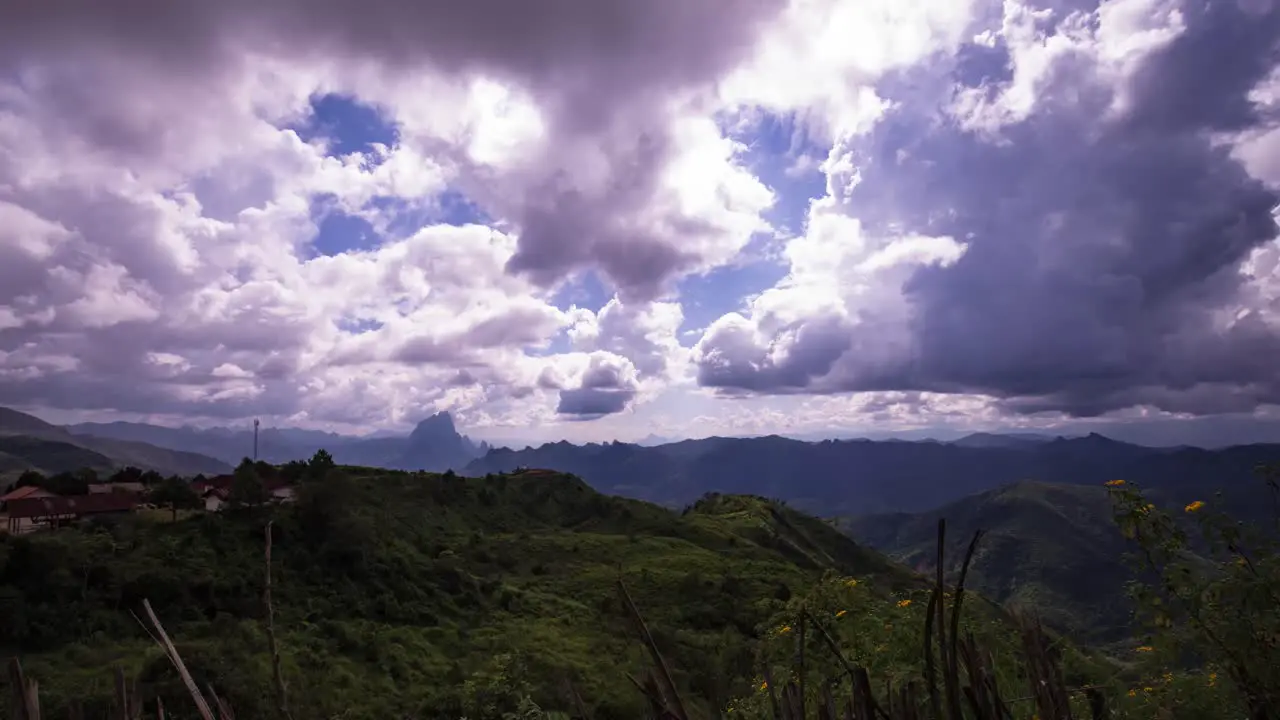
pixel 255 439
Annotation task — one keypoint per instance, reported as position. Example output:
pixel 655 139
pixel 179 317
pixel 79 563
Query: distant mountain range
pixel 858 477
pixel 29 443
pixel 435 444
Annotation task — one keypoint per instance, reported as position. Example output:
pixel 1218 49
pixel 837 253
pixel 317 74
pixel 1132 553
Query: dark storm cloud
pixel 1102 253
pixel 591 403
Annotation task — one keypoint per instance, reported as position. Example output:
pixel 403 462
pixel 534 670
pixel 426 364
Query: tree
pixel 30 478
pixel 246 486
pixel 125 474
pixel 65 483
pixel 176 493
pixel 321 463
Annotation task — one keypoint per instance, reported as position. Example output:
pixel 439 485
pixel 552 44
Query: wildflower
pixel 764 686
pixel 1114 483
pixel 842 613
pixel 1167 677
pixel 1146 689
pixel 784 629
pixel 851 582
pixel 1213 679
pixel 904 603
pixel 1133 693
pixel 1194 506
pixel 1145 648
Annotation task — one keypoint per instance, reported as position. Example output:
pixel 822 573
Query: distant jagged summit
pixel 439 425
pixel 436 444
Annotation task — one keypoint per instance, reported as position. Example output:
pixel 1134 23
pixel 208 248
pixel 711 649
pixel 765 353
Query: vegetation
pixel 1212 605
pixel 420 596
pixel 413 595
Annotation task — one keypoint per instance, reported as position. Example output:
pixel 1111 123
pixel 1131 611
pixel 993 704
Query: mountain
pixel 858 477
pixel 1005 440
pixel 1051 548
pixel 434 444
pixel 29 443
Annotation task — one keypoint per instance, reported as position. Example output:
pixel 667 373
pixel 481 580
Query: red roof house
pixel 30 512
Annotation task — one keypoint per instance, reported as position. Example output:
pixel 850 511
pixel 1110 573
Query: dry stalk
pixel 672 697
pixel 277 672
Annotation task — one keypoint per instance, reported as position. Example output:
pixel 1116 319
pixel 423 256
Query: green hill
pixel 1051 548
pixel 403 594
pixel 29 443
pixel 27 452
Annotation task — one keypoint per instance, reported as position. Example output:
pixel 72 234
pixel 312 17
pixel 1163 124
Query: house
pixel 216 491
pixel 214 498
pixel 33 513
pixel 28 491
pixel 25 492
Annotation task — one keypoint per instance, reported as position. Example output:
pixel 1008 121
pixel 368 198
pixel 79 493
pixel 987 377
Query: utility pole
pixel 255 439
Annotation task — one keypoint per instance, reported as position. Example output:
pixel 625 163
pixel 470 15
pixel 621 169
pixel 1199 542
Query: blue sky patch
pixel 405 217
pixel 704 298
pixel 340 232
pixel 358 326
pixel 346 125
pixel 586 290
pixel 783 156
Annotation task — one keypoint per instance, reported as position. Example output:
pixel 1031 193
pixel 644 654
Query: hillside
pixel 858 477
pixel 1050 548
pixel 402 589
pixel 27 452
pixel 27 442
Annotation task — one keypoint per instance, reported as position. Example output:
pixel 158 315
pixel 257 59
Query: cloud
pixel 1063 229
pixel 159 217
pixel 604 387
pixel 1029 208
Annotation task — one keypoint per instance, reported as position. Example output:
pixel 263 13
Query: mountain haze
pixel 435 444
pixel 859 477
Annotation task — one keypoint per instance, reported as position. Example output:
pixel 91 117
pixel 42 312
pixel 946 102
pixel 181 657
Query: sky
pixel 614 219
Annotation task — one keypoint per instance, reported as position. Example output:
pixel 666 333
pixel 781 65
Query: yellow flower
pixel 1133 693
pixel 851 582
pixel 1194 506
pixel 842 613
pixel 764 686
pixel 784 629
pixel 1114 483
pixel 1167 677
pixel 1146 689
pixel 904 603
pixel 1145 648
